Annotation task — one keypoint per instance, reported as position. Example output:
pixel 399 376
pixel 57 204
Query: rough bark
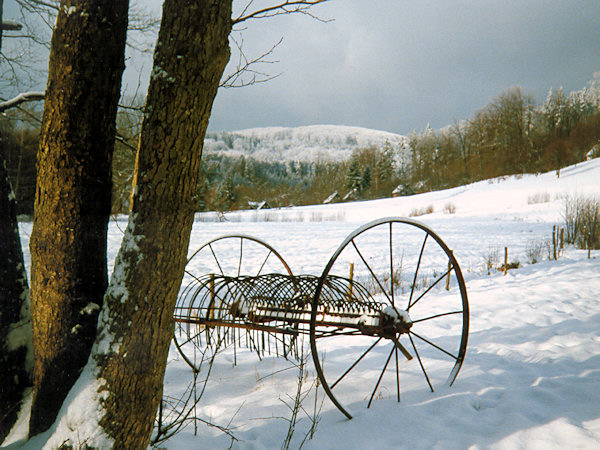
pixel 136 324
pixel 72 206
pixel 15 325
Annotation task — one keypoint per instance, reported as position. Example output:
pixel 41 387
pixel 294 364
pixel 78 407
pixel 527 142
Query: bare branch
pixel 287 7
pixel 21 98
pixel 37 4
pixel 247 66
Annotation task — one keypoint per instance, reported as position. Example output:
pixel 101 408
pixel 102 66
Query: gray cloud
pixel 397 65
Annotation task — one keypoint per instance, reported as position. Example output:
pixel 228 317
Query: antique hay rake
pixel 391 301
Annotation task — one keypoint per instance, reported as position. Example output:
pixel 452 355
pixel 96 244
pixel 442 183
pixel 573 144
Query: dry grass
pixel 421 212
pixel 449 208
pixel 539 197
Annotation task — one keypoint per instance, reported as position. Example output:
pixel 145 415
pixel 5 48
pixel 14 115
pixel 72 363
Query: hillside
pixel 542 193
pixel 306 144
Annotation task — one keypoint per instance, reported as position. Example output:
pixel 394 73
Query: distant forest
pixel 508 136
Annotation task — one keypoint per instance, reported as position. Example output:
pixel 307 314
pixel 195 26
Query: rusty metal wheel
pixel 417 338
pixel 214 274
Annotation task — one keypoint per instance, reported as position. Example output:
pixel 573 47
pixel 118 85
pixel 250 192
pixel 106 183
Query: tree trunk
pixel 72 205
pixel 125 372
pixel 15 326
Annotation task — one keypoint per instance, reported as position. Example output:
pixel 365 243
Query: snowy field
pixel 531 375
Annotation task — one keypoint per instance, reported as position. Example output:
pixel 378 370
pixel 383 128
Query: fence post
pixel 211 287
pixel 351 277
pixel 505 260
pixel 554 232
pixel 448 276
pixel 562 240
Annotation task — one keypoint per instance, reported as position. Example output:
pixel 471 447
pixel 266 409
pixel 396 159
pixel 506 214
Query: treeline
pixel 510 135
pixel 234 182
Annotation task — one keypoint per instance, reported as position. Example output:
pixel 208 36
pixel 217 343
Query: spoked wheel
pixel 417 338
pixel 206 321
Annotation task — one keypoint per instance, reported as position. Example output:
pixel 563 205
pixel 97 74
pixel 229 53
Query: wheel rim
pixel 405 267
pixel 219 260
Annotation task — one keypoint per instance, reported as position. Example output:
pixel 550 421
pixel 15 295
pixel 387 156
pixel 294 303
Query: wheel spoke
pixel 190 338
pixel 193 276
pixel 355 363
pixel 397 375
pixel 420 362
pixel 241 253
pixel 391 267
pixel 216 260
pixel 381 376
pixel 412 289
pixel 435 346
pixel 371 270
pixel 429 288
pixel 436 316
pixel 264 262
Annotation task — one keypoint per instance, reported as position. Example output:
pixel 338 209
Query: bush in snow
pixel 582 221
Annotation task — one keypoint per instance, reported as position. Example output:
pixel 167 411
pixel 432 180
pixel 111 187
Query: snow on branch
pixel 11 25
pixel 287 7
pixel 21 98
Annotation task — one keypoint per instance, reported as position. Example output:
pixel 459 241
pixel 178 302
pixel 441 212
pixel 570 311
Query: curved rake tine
pixel 430 288
pixel 335 333
pixel 420 362
pixel 381 376
pixel 371 270
pixel 412 289
pixel 355 363
pixel 435 346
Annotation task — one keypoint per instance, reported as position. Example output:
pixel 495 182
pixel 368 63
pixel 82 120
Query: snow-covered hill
pixel 309 143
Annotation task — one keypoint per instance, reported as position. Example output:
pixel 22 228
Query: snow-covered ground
pixel 531 376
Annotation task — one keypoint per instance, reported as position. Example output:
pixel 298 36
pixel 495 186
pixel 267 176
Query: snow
pixel 308 144
pixel 398 314
pixel 531 375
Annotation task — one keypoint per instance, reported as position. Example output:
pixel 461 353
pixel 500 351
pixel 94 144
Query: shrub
pixel 492 259
pixel 582 221
pixel 539 197
pixel 422 211
pixel 449 208
pixel 534 251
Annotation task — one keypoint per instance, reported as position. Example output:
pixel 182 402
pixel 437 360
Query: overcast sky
pixel 397 65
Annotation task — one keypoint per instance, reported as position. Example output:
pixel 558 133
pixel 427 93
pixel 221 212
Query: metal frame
pixel 270 310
